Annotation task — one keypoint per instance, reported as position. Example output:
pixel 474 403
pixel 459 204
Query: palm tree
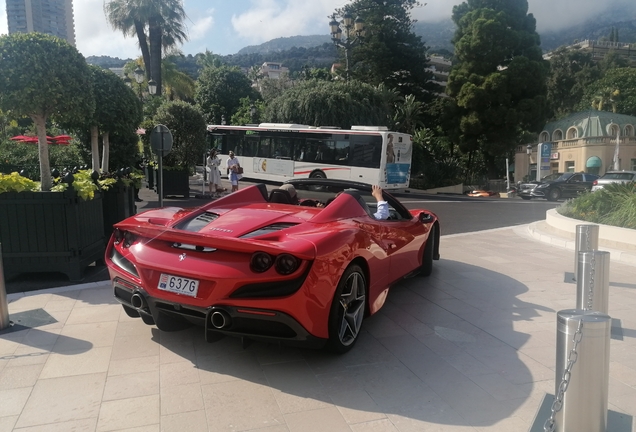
pixel 178 85
pixel 209 59
pixel 158 25
pixel 408 116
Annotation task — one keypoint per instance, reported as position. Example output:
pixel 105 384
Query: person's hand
pixel 376 191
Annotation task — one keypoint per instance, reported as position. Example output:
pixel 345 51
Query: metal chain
pixel 550 425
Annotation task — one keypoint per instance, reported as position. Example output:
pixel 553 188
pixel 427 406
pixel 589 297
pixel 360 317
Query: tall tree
pixel 329 103
pixel 44 77
pixel 499 76
pixel 218 92
pixel 615 91
pixel 571 72
pixel 391 53
pixel 187 125
pixel 158 25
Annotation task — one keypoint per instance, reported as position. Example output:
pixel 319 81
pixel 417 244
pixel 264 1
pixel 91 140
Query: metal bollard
pixel 592 281
pixel 586 240
pixel 4 306
pixel 582 371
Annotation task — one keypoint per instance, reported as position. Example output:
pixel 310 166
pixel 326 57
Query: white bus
pixel 279 152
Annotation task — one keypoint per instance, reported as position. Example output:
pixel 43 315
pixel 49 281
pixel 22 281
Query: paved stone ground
pixel 471 348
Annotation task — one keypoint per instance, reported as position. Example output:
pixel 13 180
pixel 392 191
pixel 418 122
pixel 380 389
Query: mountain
pixel 106 61
pixel 597 28
pixel 285 43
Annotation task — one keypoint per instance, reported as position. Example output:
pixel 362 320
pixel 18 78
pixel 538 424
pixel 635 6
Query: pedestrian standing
pixel 233 169
pixel 213 162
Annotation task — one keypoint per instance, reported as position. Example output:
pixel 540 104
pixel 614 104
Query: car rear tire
pixel 429 250
pixel 347 310
pixel 554 195
pixel 527 198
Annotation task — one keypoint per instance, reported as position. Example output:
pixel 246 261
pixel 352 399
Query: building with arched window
pixel 583 142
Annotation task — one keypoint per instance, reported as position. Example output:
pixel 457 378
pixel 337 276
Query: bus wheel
pixel 318 175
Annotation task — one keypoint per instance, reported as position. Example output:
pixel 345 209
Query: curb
pixel 554 236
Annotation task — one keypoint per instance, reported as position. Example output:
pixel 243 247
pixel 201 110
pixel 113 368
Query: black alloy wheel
pixel 347 310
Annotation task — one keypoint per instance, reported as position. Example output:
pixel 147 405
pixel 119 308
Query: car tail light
pixel 261 262
pixel 595 182
pixel 129 239
pixel 286 264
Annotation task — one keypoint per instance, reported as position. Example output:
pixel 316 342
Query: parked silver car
pixel 614 177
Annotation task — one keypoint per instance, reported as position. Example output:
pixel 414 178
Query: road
pixel 462 214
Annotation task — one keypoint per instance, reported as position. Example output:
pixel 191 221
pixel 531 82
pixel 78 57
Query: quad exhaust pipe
pixel 220 319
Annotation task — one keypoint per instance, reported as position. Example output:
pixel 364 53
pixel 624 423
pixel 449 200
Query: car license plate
pixel 179 285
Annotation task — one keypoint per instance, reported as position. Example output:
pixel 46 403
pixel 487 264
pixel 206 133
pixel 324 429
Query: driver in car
pixel 382 211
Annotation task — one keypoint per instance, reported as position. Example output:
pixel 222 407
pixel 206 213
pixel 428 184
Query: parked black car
pixel 568 185
pixel 526 187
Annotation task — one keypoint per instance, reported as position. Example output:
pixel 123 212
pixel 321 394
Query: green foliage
pixel 14 182
pixel 571 72
pixel 25 156
pixel 244 116
pixel 498 78
pixel 220 90
pixel 391 53
pixel 614 205
pixel 43 76
pixel 616 91
pixel 271 88
pixel 330 103
pixel 434 164
pixel 188 127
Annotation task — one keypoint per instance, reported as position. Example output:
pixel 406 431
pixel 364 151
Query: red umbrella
pixel 63 137
pixel 19 138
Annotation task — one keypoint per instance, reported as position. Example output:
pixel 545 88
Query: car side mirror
pixel 426 217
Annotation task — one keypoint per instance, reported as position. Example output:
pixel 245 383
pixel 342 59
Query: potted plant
pixel 56 231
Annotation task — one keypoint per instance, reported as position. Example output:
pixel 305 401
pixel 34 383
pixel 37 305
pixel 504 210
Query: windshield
pixel 564 177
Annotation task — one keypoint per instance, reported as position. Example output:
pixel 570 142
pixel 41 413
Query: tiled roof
pixel 592 123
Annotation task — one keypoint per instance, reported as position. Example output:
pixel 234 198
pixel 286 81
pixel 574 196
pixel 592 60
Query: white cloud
pixel 270 19
pixel 199 28
pixel 94 36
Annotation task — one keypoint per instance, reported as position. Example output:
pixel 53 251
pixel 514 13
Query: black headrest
pixel 280 196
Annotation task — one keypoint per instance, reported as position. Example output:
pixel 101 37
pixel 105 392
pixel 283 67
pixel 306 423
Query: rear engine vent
pixel 269 229
pixel 198 223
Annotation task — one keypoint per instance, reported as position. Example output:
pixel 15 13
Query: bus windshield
pixel 279 152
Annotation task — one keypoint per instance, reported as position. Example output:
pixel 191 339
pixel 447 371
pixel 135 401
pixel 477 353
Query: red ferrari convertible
pixel 252 265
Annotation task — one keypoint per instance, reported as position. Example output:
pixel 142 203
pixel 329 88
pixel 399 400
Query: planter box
pixel 118 203
pixel 50 232
pixel 176 182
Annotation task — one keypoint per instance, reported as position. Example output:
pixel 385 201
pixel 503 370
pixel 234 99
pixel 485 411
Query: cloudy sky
pixel 225 26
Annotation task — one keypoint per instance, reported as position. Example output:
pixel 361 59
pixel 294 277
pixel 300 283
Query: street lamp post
pixel 140 76
pixel 529 153
pixel 252 113
pixel 353 34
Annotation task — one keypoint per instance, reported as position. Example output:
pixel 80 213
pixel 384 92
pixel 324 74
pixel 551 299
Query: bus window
pixel 366 151
pixel 249 146
pixel 342 152
pixel 282 148
pixel 264 147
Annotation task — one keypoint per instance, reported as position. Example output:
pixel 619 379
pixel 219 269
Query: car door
pixel 403 238
pixel 573 186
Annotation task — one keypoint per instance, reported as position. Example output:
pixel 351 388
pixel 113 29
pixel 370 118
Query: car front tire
pixel 554 195
pixel 347 310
